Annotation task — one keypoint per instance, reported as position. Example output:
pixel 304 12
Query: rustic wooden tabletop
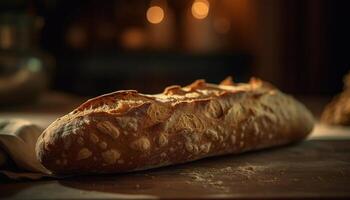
pixel 311 169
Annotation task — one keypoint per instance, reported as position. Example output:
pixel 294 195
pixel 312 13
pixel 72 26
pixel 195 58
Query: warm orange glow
pixel 222 25
pixel 200 9
pixel 77 37
pixel 133 38
pixel 6 37
pixel 155 14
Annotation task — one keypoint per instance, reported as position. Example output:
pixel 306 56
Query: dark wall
pixel 304 51
pixel 315 43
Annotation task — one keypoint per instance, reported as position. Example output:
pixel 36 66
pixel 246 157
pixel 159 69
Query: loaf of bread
pixel 127 131
pixel 337 112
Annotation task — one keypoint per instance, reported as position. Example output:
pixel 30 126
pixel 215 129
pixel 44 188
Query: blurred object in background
pixel 337 112
pixel 103 46
pixel 24 68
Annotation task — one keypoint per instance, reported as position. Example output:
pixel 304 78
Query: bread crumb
pixel 210 178
pixel 205 179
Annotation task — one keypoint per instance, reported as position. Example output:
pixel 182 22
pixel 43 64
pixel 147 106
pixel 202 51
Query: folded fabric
pixel 17 139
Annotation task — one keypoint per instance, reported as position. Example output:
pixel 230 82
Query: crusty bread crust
pixel 127 131
pixel 337 112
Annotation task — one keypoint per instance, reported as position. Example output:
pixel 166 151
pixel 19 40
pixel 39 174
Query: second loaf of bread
pixel 128 131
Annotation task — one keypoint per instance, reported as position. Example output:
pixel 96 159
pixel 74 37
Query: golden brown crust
pixel 128 131
pixel 227 81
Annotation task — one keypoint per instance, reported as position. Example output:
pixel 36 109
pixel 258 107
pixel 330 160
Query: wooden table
pixel 311 169
pixel 316 168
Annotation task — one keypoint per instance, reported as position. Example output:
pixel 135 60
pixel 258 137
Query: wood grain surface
pixel 311 169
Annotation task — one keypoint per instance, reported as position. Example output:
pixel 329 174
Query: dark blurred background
pixel 90 47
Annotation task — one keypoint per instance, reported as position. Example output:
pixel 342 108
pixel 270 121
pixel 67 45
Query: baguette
pixel 128 131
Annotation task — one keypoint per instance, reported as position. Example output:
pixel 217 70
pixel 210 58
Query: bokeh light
pixel 200 9
pixel 155 14
pixel 133 38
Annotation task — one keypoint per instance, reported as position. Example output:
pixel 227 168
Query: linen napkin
pixel 17 144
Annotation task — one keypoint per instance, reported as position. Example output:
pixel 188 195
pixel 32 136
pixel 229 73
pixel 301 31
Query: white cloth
pixel 17 139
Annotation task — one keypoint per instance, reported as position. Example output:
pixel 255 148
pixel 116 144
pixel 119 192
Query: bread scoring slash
pixel 128 131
